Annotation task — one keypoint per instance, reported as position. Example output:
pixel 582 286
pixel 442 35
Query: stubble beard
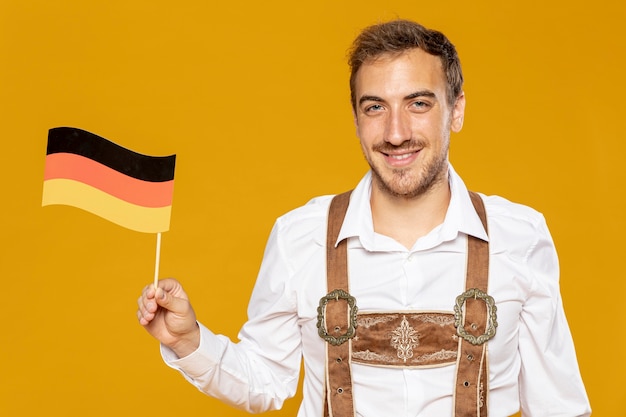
pixel 408 183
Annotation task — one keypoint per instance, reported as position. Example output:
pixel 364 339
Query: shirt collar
pixel 461 217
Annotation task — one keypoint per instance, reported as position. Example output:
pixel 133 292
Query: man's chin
pixel 400 189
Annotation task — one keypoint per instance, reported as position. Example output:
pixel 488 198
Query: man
pixel 409 229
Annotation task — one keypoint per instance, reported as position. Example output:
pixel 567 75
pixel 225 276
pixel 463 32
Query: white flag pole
pixel 158 258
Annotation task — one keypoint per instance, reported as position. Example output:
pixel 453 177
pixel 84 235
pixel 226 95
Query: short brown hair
pixel 397 36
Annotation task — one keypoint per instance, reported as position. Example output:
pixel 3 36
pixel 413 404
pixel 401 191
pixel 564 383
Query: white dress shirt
pixel 532 362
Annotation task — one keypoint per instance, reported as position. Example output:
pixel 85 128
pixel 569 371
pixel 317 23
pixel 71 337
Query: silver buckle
pixel 492 317
pixel 321 319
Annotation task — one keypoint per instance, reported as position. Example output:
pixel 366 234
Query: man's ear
pixel 458 113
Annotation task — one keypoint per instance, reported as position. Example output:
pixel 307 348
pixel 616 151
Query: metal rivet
pixel 470 357
pixel 339 390
pixel 466 383
pixel 474 326
pixel 337 329
pixel 339 360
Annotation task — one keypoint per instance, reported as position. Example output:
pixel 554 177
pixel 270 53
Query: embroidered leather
pixel 407 339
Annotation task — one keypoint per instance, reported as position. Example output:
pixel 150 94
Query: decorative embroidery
pixel 368 321
pixel 441 355
pixel 440 319
pixel 373 356
pixel 369 356
pixel 481 401
pixel 404 339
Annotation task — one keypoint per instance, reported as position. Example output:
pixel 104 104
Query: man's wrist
pixel 187 344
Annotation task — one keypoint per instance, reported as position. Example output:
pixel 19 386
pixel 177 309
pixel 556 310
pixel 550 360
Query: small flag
pixel 94 174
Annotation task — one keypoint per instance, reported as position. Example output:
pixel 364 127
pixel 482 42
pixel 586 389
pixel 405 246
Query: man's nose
pixel 398 129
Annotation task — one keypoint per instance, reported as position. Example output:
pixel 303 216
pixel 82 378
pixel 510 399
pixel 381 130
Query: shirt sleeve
pixel 261 371
pixel 550 381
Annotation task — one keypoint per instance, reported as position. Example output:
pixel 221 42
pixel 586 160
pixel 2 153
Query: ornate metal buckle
pixel 492 321
pixel 321 319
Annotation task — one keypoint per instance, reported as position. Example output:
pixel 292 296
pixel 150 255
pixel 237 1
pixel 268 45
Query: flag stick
pixel 156 265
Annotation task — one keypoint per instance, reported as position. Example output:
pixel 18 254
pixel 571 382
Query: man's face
pixel 404 121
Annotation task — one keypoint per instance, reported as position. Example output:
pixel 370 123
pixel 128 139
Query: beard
pixel 409 182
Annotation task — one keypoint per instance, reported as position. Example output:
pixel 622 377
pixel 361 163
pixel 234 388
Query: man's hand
pixel 165 312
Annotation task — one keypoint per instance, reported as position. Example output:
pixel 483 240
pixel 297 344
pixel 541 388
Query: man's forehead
pixel 407 69
pixel 417 55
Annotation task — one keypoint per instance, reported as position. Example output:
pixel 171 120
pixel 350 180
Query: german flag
pixel 94 174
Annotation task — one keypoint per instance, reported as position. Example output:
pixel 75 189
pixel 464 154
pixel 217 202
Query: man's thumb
pixel 169 302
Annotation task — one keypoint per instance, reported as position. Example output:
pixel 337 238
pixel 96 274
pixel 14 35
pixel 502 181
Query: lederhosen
pixel 410 338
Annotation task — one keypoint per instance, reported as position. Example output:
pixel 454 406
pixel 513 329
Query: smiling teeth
pixel 403 156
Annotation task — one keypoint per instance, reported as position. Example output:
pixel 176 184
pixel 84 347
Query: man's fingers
pixel 170 302
pixel 146 305
pixel 144 319
pixel 172 287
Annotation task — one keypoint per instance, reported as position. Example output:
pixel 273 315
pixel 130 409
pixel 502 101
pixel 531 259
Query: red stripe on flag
pixel 115 183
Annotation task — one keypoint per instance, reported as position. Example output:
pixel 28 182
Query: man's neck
pixel 408 219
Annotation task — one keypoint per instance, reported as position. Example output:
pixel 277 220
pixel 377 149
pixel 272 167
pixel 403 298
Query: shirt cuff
pixel 203 360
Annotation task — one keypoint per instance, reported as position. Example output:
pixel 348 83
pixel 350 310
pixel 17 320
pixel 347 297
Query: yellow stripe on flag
pixel 77 194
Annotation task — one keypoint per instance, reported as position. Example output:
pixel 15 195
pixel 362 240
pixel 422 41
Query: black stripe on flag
pixel 99 149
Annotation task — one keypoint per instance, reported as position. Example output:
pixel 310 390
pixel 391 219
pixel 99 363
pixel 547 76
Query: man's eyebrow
pixel 422 93
pixel 369 98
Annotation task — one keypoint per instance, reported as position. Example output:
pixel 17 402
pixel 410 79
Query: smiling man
pixel 404 120
pixel 408 296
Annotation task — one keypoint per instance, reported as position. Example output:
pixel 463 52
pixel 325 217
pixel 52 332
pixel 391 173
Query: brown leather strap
pixel 472 372
pixel 338 401
pixel 472 366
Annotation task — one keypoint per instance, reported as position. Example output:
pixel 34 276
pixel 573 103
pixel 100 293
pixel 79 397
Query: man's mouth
pixel 401 156
pixel 401 159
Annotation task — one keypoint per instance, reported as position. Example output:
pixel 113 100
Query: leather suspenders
pixel 475 324
pixel 338 400
pixel 472 371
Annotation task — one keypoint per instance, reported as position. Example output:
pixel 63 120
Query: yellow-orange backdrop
pixel 253 98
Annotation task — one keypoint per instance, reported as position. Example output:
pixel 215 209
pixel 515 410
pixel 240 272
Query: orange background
pixel 253 99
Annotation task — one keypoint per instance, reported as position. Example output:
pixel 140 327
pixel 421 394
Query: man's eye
pixel 373 107
pixel 421 106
